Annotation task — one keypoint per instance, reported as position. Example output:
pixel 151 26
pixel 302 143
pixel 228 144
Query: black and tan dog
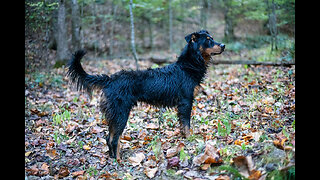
pixel 169 86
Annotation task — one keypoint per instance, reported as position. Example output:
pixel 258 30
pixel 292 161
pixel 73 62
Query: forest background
pixel 251 29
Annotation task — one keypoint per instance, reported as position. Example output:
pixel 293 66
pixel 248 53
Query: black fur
pixel 81 78
pixel 169 86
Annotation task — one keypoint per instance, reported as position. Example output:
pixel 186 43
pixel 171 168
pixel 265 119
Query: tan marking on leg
pixel 186 131
pixel 110 137
pixel 118 151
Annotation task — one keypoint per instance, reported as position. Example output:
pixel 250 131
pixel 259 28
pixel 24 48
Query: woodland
pixel 242 120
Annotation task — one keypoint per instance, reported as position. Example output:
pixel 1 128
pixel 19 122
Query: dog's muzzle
pixel 222 46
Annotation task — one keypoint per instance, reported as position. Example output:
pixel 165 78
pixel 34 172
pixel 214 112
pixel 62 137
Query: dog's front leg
pixel 184 113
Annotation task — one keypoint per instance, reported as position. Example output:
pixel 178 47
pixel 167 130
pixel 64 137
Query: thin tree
pixel 62 44
pixel 133 47
pixel 170 25
pixel 273 24
pixel 204 14
pixel 229 19
pixel 113 23
pixel 75 16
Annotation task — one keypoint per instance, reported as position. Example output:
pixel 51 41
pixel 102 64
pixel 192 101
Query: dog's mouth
pixel 213 54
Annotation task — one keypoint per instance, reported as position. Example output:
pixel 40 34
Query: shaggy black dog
pixel 169 86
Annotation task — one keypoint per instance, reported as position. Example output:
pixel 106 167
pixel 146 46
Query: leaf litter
pixel 243 125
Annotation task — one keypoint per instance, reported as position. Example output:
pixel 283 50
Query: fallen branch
pixel 253 62
pixel 157 60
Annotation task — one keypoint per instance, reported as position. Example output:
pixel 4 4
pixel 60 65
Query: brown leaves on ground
pixel 246 167
pixel 210 155
pixel 279 142
pixel 63 172
pixel 243 118
pixel 136 159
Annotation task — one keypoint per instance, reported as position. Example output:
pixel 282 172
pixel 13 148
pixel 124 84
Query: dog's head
pixel 205 43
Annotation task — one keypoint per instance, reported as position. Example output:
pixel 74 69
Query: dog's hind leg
pixel 184 113
pixel 115 130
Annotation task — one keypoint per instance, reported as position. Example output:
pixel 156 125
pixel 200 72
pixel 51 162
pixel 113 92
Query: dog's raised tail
pixel 83 80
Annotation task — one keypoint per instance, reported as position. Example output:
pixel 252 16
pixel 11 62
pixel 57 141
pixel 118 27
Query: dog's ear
pixel 192 37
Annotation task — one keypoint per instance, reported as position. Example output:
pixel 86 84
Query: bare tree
pixel 170 25
pixel 273 24
pixel 230 21
pixel 113 22
pixel 75 16
pixel 62 43
pixel 133 47
pixel 204 14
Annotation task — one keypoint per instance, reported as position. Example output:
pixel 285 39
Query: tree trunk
pixel 228 18
pixel 170 25
pixel 53 36
pixel 204 14
pixel 75 16
pixel 113 22
pixel 62 43
pixel 150 34
pixel 95 42
pixel 273 26
pixel 133 48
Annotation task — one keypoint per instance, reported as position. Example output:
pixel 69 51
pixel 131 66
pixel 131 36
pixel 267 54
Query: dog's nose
pixel 222 46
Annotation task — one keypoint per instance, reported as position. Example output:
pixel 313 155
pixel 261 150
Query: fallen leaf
pixel 45 169
pixel 28 153
pixel 247 137
pixel 238 142
pixel 279 142
pixel 288 148
pixel 201 106
pixel 86 147
pixel 52 153
pixel 150 163
pixel 171 152
pixel 256 135
pixel 242 165
pixel 136 160
pixel 179 172
pixel 268 101
pixel 150 172
pixel 191 175
pixel 96 130
pixel 173 162
pixel 77 173
pixel 126 137
pixel 205 166
pixel 236 109
pixel 223 177
pixel 105 175
pixel 71 141
pixel 210 155
pixel 268 109
pixel 246 167
pixel 33 170
pixel 142 134
pixel 102 140
pixel 63 172
pixel 71 127
pixel 152 126
pixel 169 133
pixel 255 175
pixel 180 146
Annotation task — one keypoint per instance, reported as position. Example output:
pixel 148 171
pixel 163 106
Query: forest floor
pixel 243 124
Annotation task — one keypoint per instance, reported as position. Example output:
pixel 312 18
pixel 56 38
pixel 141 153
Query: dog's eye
pixel 208 37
